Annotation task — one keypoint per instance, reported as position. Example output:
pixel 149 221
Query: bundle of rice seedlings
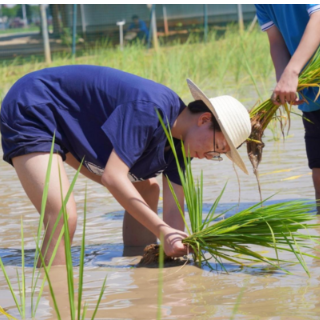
pixel 262 114
pixel 273 226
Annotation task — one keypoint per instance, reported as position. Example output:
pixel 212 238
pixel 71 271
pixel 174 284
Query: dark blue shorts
pixel 23 131
pixel 312 138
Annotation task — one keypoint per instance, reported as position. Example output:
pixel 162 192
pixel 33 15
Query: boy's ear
pixel 204 118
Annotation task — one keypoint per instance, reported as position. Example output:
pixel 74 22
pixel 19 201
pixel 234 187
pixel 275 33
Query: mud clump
pixel 151 254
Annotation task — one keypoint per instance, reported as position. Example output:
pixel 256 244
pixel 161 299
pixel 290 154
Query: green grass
pixel 218 66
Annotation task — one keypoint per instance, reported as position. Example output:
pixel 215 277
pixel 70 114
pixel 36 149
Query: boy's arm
pixel 286 87
pixel 115 178
pixel 171 214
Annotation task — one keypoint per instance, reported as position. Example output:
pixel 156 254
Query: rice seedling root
pixel 254 148
pixel 151 254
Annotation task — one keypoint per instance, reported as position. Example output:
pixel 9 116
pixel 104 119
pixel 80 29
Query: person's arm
pixel 115 178
pixel 287 74
pixel 278 50
pixel 133 28
pixel 171 214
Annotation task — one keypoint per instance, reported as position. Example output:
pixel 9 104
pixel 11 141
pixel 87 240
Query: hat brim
pixel 233 154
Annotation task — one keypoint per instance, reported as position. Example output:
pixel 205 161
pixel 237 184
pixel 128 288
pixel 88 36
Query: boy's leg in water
pixel 316 183
pixel 31 170
pixel 134 233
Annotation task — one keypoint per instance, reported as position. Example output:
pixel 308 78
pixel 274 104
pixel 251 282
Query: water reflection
pixel 115 254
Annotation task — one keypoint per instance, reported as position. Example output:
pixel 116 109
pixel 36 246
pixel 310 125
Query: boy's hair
pixel 135 17
pixel 198 106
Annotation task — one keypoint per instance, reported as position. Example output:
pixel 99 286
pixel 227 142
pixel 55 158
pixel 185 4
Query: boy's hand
pixel 286 89
pixel 172 242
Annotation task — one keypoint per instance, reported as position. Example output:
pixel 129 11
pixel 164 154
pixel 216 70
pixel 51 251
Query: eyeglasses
pixel 214 155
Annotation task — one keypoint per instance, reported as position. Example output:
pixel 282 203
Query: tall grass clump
pixel 274 226
pixel 76 310
pixel 262 114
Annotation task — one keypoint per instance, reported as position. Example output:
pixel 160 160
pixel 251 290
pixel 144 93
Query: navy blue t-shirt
pixel 98 109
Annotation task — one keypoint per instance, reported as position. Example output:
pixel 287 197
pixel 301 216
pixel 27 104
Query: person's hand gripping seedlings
pixel 132 201
pixel 286 89
pixel 172 242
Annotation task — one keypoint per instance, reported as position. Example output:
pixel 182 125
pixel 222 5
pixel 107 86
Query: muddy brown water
pixel 189 292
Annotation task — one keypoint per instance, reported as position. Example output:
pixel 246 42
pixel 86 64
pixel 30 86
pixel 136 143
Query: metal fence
pixel 99 17
pixel 93 22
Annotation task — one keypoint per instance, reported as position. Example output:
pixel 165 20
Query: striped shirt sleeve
pixel 312 8
pixel 264 20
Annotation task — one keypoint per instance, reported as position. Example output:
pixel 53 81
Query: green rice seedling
pixel 39 257
pixel 160 281
pixel 20 306
pixel 69 266
pixel 237 304
pixel 9 317
pixel 273 226
pixel 34 308
pixel 22 289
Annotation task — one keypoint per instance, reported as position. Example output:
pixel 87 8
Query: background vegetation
pixel 219 66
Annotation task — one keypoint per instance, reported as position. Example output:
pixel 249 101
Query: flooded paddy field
pixel 189 292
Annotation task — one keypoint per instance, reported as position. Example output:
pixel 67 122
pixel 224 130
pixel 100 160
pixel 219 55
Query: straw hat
pixel 233 119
